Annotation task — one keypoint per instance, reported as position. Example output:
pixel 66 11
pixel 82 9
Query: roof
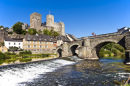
pixel 39 37
pixel 73 37
pixel 63 38
pixel 13 39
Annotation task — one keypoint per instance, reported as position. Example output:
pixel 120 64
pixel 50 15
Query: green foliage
pixel 8 53
pixel 13 49
pixel 17 27
pixel 10 60
pixel 24 32
pixel 10 32
pixel 1 26
pixel 24 56
pixel 2 43
pixel 45 55
pixel 25 59
pixel 115 51
pixel 32 31
pixel 108 46
pixel 2 56
pixel 118 47
pixel 50 32
pixel 46 32
pixel 25 52
pixel 111 49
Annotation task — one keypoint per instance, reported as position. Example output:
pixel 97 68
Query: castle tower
pixel 62 28
pixel 35 20
pixel 50 20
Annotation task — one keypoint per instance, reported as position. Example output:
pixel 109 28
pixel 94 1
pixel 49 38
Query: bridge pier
pixel 127 60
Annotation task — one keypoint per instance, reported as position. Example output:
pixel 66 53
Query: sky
pixel 81 17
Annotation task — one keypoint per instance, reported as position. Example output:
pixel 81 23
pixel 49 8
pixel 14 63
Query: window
pixel 35 42
pixel 40 49
pixel 28 38
pixel 46 46
pixel 35 46
pixel 28 41
pixel 51 42
pixel 40 42
pixel 35 49
pixel 40 46
pixel 19 46
pixel 28 49
pixel 9 43
pixel 19 43
pixel 14 43
pixel 28 46
pixel 45 42
pixel 2 46
pixel 2 49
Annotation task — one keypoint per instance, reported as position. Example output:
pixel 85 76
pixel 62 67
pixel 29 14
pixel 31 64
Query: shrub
pixel 45 55
pixel 25 59
pixel 24 56
pixel 10 32
pixel 26 52
pixel 115 51
pixel 119 47
pixel 101 54
pixel 2 56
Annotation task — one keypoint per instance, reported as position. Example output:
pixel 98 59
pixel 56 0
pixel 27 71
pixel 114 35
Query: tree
pixel 32 31
pixel 55 34
pixel 17 27
pixel 24 32
pixel 1 26
pixel 13 49
pixel 46 32
pixel 50 32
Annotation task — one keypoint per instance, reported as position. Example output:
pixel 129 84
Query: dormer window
pixel 28 38
pixel 39 39
pixel 34 39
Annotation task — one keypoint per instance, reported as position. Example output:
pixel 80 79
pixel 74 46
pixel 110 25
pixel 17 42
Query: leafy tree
pixel 46 32
pixel 6 28
pixel 17 27
pixel 55 34
pixel 13 49
pixel 50 32
pixel 2 56
pixel 1 26
pixel 32 31
pixel 24 32
pixel 10 32
pixel 2 43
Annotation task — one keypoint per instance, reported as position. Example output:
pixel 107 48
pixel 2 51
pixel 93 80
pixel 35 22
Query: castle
pixel 36 23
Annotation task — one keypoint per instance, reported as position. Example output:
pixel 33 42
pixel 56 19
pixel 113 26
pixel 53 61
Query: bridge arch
pixel 96 48
pixel 59 52
pixel 72 49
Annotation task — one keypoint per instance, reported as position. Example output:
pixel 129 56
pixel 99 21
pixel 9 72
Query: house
pixel 3 49
pixel 38 43
pixel 13 42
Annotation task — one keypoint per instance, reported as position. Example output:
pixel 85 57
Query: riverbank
pixel 33 60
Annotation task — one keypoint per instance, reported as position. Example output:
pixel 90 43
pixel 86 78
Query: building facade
pixel 3 49
pixel 10 42
pixel 36 23
pixel 38 43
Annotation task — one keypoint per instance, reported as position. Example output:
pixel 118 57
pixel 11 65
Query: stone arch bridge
pixel 89 47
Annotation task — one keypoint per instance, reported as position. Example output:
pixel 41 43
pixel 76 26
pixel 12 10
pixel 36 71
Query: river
pixel 65 72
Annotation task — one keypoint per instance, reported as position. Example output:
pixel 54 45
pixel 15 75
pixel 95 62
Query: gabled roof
pixel 39 37
pixel 63 38
pixel 13 39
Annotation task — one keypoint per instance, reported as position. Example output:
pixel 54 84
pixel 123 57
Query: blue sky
pixel 81 17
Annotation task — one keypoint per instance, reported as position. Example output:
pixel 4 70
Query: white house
pixel 10 42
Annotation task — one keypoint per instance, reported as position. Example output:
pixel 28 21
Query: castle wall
pixel 35 22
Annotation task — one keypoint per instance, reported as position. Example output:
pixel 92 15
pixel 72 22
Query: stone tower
pixel 35 20
pixel 50 20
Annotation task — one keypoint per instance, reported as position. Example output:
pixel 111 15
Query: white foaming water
pixel 14 75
